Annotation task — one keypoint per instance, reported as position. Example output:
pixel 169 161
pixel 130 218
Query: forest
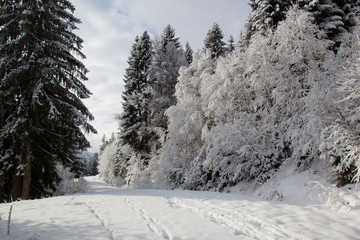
pixel 286 91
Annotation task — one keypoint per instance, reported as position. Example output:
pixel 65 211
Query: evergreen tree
pixel 334 17
pixel 245 36
pixel 104 143
pixel 42 115
pixel 165 66
pixel 168 36
pixel 188 53
pixel 268 13
pixel 231 46
pixel 214 41
pixel 133 120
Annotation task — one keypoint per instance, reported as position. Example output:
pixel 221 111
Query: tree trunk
pixel 16 186
pixel 27 177
pixel 1 184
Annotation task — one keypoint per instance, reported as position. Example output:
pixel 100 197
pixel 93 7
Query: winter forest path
pixel 113 213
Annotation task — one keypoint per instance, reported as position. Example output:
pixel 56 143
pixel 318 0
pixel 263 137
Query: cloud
pixel 109 28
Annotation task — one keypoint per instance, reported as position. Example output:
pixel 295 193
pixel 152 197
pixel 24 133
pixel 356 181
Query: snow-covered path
pixel 112 213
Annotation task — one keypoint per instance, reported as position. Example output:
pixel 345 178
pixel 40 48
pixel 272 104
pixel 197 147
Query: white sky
pixel 109 28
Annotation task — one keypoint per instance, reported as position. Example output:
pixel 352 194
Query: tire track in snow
pixel 96 213
pixel 242 225
pixel 153 224
pixel 276 230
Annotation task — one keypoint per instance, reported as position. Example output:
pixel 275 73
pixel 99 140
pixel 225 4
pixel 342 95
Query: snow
pixel 108 212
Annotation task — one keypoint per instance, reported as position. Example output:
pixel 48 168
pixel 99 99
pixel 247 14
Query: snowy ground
pixel 112 213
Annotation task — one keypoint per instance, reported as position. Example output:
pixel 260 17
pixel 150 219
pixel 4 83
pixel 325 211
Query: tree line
pixel 284 94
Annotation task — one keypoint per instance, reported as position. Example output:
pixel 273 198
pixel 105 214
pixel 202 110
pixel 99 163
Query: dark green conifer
pixel 189 53
pixel 135 105
pixel 43 119
pixel 214 41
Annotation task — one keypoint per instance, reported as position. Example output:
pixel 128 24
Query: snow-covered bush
pixel 69 184
pixel 331 195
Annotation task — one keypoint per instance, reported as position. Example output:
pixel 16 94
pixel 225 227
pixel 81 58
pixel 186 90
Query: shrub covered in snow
pixel 69 184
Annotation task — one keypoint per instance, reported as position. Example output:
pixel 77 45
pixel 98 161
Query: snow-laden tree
pixel 334 17
pixel 266 14
pixel 227 132
pixel 108 166
pixel 288 78
pixel 214 41
pixel 43 119
pixel 167 58
pixel 340 143
pixel 256 107
pixel 186 121
pixel 302 82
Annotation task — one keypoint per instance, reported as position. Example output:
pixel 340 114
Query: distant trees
pixel 42 117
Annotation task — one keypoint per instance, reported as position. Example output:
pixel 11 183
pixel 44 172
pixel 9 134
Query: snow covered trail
pixel 112 213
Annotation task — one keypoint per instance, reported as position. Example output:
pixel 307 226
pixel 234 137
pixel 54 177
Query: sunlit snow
pixel 112 213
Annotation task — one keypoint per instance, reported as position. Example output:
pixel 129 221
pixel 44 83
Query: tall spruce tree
pixel 168 36
pixel 214 41
pixel 166 62
pixel 133 132
pixel 42 115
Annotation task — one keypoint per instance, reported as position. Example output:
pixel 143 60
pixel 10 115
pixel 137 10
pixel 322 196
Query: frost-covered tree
pixel 108 167
pixel 214 41
pixel 43 119
pixel 183 140
pixel 238 118
pixel 163 75
pixel 300 79
pixel 340 143
pixel 259 105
